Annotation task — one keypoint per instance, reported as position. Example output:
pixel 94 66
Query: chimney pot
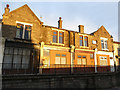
pixel 60 18
pixel 7 5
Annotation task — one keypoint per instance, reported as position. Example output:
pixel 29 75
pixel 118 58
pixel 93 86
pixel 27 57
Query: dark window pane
pixel 19 31
pixel 6 50
pixel 25 61
pixel 16 61
pixel 84 56
pixel 80 37
pixel 20 51
pixel 60 39
pixel 10 50
pixel 54 38
pixel 27 34
pixel 60 34
pixel 57 54
pixel 15 51
pixel 63 55
pixel 86 43
pixel 54 33
pixel 80 42
pixel 79 56
pixel 7 62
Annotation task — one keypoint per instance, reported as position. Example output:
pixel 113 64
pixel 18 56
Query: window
pixel 103 61
pixel 55 36
pixel 86 41
pixel 104 43
pixel 19 31
pixel 7 62
pixel 60 37
pixel 27 32
pixel 16 58
pixel 23 31
pixel 81 41
pixel 60 59
pixel 82 60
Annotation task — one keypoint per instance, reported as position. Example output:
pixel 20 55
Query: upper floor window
pixel 23 31
pixel 86 41
pixel 81 41
pixel 19 32
pixel 55 36
pixel 104 43
pixel 58 37
pixel 27 32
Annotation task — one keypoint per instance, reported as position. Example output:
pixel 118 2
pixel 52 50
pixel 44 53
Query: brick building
pixel 31 45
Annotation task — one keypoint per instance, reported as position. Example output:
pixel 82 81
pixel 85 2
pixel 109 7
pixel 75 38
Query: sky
pixel 90 14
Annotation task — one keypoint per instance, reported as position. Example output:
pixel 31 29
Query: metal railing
pixel 8 68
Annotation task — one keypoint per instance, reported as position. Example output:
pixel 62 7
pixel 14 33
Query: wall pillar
pixel 72 58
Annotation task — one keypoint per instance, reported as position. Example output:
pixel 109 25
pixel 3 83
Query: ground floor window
pixel 60 59
pixel 16 58
pixel 82 60
pixel 103 61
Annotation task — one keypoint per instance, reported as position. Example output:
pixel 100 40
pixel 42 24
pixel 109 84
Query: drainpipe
pixel 114 61
pixel 41 57
pixel 95 59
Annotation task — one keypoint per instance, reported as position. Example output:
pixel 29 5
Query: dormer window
pixel 23 30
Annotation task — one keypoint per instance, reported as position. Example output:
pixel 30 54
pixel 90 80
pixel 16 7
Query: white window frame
pixel 24 24
pixel 103 59
pixel 104 39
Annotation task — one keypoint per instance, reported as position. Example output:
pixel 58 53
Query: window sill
pixel 22 39
pixel 83 47
pixel 58 44
pixel 105 49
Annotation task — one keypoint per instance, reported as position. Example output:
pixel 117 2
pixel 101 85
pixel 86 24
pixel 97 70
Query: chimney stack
pixel 81 28
pixel 60 23
pixel 7 9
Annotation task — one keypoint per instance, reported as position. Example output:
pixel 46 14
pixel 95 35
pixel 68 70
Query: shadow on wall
pixel 20 55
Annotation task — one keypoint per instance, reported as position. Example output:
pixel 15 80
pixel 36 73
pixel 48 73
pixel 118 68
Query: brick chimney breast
pixel 81 28
pixel 60 23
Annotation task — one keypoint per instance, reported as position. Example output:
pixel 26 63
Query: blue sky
pixel 90 14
